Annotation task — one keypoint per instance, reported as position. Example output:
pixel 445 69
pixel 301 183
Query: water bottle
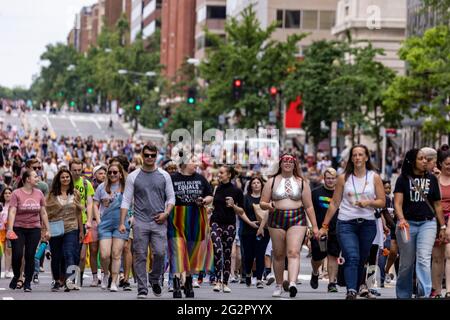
pixel 41 249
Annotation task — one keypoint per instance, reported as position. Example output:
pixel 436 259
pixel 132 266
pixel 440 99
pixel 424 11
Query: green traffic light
pixel 72 103
pixel 191 100
pixel 90 90
pixel 137 107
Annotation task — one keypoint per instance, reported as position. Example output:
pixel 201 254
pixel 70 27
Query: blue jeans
pixel 65 253
pixel 355 238
pixel 382 259
pixel 419 247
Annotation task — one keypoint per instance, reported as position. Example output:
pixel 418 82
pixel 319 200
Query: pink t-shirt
pixel 28 208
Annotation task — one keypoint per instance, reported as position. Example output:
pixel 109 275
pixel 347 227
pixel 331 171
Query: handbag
pixel 56 228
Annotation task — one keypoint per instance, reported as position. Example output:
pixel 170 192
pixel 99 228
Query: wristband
pixel 443 227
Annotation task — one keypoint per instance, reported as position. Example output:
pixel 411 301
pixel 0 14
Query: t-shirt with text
pixel 28 208
pixel 188 188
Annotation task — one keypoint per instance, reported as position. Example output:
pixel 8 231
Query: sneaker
pixel 36 278
pixel 277 292
pixel 248 281
pixel 195 283
pixel 56 286
pixel 27 287
pixel 69 284
pixel 156 289
pixel 314 282
pixel 226 289
pixel 142 295
pixel 217 287
pixel 113 287
pixel 387 279
pixel 270 279
pixel 234 280
pixel 41 269
pixel 299 281
pixel 332 288
pixel 292 290
pixel 286 285
pixel 126 286
pixel 105 282
pixel 9 275
pixel 170 288
pixel 374 292
pixel 363 291
pixel 95 283
pixel 351 295
pixel 259 284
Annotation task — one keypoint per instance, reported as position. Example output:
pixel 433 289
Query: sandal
pixel 19 284
pixel 447 295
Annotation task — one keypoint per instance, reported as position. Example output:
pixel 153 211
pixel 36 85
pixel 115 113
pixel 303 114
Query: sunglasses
pixel 113 173
pixel 150 155
pixel 37 168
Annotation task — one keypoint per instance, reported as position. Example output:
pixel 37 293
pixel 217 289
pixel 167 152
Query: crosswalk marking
pixel 7 298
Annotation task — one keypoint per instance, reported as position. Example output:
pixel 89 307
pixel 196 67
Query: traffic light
pixel 237 88
pixel 273 91
pixel 72 103
pixel 191 95
pixel 90 90
pixel 138 105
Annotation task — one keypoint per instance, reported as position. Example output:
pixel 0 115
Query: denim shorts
pixel 109 228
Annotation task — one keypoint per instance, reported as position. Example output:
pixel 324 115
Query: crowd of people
pixel 127 210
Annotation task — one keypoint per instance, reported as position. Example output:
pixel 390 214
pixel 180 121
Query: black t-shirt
pixel 223 214
pixel 321 198
pixel 188 188
pixel 250 212
pixel 414 206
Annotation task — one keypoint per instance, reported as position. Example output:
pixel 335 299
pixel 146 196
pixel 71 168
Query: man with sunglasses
pixel 151 191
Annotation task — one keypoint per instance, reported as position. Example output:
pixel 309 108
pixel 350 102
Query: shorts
pixel 2 236
pixel 109 228
pixel 333 248
pixel 269 249
pixel 284 219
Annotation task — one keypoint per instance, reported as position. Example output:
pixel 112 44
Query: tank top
pixel 357 189
pixel 445 196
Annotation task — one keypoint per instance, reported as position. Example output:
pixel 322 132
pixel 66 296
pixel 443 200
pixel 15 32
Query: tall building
pixel 211 14
pixel 293 16
pixel 87 32
pixel 382 22
pixel 418 19
pixel 145 17
pixel 177 34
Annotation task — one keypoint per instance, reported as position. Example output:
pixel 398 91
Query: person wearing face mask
pixel 187 228
pixel 288 198
pixel 321 198
pixel 417 201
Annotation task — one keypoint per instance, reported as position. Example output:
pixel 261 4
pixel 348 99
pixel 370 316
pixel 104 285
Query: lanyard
pixel 354 187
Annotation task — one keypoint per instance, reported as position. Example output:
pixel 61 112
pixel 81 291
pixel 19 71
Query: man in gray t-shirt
pixel 151 191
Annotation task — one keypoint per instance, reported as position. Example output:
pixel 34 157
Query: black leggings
pixel 255 249
pixel 222 237
pixel 28 238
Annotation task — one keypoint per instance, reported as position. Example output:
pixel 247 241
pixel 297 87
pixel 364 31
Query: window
pixel 292 19
pixel 347 10
pixel 310 19
pixel 216 12
pixel 327 20
pixel 280 18
pixel 158 4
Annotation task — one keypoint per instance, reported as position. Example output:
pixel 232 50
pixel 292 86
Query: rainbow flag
pixel 188 238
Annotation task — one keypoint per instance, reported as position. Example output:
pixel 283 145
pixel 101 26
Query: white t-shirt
pixel 358 189
pixel 50 169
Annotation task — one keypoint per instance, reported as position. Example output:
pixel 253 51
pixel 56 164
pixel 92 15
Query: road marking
pixel 2 289
pixel 97 124
pixel 7 298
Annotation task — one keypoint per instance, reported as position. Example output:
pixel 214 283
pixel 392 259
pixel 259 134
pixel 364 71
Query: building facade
pixel 382 22
pixel 177 34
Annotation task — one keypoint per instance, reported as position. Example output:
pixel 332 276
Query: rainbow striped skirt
pixel 190 245
pixel 284 219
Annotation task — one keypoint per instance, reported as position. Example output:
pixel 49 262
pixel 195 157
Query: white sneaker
pixel 113 287
pixel 217 287
pixel 69 284
pixel 170 288
pixel 253 281
pixel 105 282
pixel 270 279
pixel 226 289
pixel 277 292
pixel 195 283
pixel 9 275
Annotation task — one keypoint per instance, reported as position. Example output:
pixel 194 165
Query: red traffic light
pixel 273 91
pixel 237 83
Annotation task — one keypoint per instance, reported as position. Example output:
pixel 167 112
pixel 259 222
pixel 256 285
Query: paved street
pixel 239 291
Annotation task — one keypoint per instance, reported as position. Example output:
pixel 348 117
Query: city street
pixel 239 291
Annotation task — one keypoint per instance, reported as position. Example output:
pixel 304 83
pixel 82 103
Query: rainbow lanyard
pixel 354 187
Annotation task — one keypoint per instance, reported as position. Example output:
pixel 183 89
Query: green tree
pixel 246 52
pixel 423 93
